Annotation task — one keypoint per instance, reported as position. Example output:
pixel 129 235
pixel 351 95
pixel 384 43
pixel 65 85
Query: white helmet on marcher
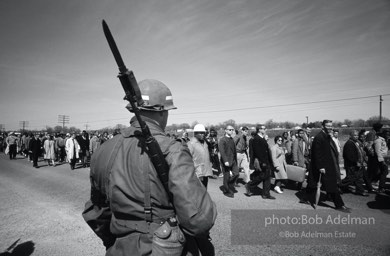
pixel 199 128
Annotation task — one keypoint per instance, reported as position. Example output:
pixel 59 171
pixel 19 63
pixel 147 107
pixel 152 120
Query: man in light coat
pixel 300 151
pixel 72 148
pixel 201 154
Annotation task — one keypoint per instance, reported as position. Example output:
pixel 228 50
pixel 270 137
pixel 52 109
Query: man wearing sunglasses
pixel 227 149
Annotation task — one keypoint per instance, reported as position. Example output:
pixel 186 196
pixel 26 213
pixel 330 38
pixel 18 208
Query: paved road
pixel 40 209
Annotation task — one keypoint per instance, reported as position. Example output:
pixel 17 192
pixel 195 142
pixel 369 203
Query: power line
pixel 281 105
pixel 65 119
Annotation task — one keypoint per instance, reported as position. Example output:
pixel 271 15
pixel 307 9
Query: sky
pixel 246 60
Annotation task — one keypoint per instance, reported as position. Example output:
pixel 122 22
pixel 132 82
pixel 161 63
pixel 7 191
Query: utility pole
pixel 86 127
pixel 23 124
pixel 380 108
pixel 2 127
pixel 307 120
pixel 63 119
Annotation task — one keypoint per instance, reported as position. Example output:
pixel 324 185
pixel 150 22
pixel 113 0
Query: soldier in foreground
pixel 128 202
pixel 144 191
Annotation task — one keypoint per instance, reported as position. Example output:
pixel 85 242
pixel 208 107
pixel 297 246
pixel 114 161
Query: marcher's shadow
pixel 321 202
pixel 23 249
pixel 256 191
pixel 382 202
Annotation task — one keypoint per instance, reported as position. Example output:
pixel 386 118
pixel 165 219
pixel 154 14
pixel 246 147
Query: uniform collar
pixel 153 125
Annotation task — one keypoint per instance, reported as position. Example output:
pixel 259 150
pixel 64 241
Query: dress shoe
pixel 248 190
pixel 343 209
pixel 304 201
pixel 223 189
pixel 362 194
pixel 232 189
pixel 372 191
pixel 231 195
pixel 268 197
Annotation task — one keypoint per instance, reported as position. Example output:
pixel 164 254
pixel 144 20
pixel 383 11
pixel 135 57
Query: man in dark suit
pixel 260 161
pixel 324 160
pixel 227 149
pixel 353 155
pixel 35 148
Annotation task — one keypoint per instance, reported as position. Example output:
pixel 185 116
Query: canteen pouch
pixel 168 239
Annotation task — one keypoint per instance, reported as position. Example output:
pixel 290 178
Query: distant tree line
pixel 270 124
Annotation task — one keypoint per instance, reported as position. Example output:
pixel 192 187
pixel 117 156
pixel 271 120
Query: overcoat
pixel 70 146
pixel 279 161
pixel 325 155
pixel 49 149
pixel 298 152
pixel 201 157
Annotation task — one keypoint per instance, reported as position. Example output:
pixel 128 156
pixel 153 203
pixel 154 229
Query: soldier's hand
pixel 226 163
pixel 295 163
pixel 322 170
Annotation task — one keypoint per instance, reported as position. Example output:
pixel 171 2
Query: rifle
pixel 133 95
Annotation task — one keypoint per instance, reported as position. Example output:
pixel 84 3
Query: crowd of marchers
pixel 272 163
pixel 72 148
pixel 252 153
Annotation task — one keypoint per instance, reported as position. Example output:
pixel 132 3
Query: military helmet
pixel 156 96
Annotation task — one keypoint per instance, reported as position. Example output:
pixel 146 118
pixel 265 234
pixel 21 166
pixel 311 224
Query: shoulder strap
pixel 147 200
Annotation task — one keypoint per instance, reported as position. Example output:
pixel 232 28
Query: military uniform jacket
pixel 116 209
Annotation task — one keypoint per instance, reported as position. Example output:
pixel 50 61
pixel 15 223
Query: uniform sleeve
pixel 195 210
pixel 97 215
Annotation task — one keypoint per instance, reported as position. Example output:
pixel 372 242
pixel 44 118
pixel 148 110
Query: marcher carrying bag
pixel 295 173
pixel 261 170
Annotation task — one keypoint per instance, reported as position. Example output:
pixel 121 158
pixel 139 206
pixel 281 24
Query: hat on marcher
pixel 260 127
pixel 377 126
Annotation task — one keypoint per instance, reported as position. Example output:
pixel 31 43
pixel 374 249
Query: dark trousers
pixel 263 175
pixel 337 200
pixel 228 181
pixel 61 154
pixel 383 174
pixel 35 156
pixel 354 177
pixel 12 151
pixel 216 164
pixel 84 157
pixel 204 180
pixel 72 163
pixel 372 169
